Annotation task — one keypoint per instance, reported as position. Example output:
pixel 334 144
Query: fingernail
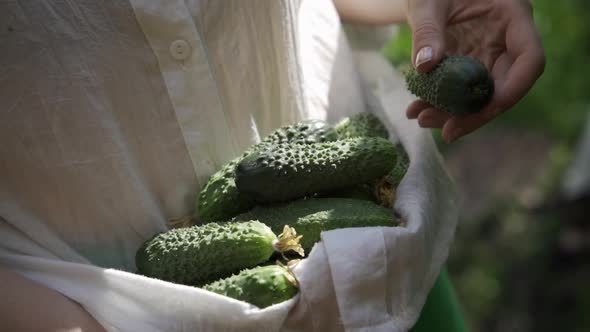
pixel 424 55
pixel 454 135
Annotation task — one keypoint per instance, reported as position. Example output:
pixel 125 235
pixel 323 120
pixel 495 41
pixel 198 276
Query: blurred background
pixel 521 258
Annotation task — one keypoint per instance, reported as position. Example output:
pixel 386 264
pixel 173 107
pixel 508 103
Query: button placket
pixel 191 84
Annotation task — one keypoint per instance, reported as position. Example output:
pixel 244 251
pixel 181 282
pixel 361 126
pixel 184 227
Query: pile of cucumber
pixel 272 203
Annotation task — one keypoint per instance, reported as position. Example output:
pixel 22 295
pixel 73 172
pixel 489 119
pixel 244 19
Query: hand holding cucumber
pixel 500 34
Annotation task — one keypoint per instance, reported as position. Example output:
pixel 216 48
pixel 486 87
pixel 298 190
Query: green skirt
pixel 442 312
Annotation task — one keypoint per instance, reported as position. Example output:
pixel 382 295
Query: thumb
pixel 427 20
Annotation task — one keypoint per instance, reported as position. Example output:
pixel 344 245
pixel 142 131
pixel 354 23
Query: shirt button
pixel 180 49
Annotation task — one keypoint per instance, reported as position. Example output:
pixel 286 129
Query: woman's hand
pixel 500 33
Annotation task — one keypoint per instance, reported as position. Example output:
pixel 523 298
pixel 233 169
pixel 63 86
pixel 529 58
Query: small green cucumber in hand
pixel 458 85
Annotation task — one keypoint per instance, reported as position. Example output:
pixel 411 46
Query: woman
pixel 115 113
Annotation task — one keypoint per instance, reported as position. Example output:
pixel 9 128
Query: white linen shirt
pixel 114 113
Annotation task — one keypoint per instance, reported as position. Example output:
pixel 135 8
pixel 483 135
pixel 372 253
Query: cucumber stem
pixel 290 275
pixel 384 192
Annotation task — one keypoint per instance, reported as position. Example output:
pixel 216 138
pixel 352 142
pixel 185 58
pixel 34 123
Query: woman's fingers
pixel 462 125
pixel 512 78
pixel 458 126
pixel 415 108
pixel 427 19
pixel 523 44
pixel 515 58
pixel 433 118
pixel 428 116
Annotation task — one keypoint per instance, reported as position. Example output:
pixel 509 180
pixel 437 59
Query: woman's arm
pixel 372 12
pixel 28 306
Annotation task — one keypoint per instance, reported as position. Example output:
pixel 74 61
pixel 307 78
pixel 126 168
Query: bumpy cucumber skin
pixel 401 167
pixel 199 254
pixel 311 216
pixel 261 286
pixel 220 199
pixel 458 84
pixel 380 191
pixel 311 131
pixel 362 124
pixel 366 124
pixel 288 171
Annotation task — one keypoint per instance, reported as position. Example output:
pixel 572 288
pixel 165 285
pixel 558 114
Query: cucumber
pixel 396 175
pixel 365 191
pixel 198 254
pixel 362 124
pixel 458 85
pixel 312 216
pixel 381 191
pixel 288 171
pixel 220 200
pixel 384 190
pixel 261 286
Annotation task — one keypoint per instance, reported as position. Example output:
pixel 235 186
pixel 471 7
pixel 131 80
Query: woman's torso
pixel 114 113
